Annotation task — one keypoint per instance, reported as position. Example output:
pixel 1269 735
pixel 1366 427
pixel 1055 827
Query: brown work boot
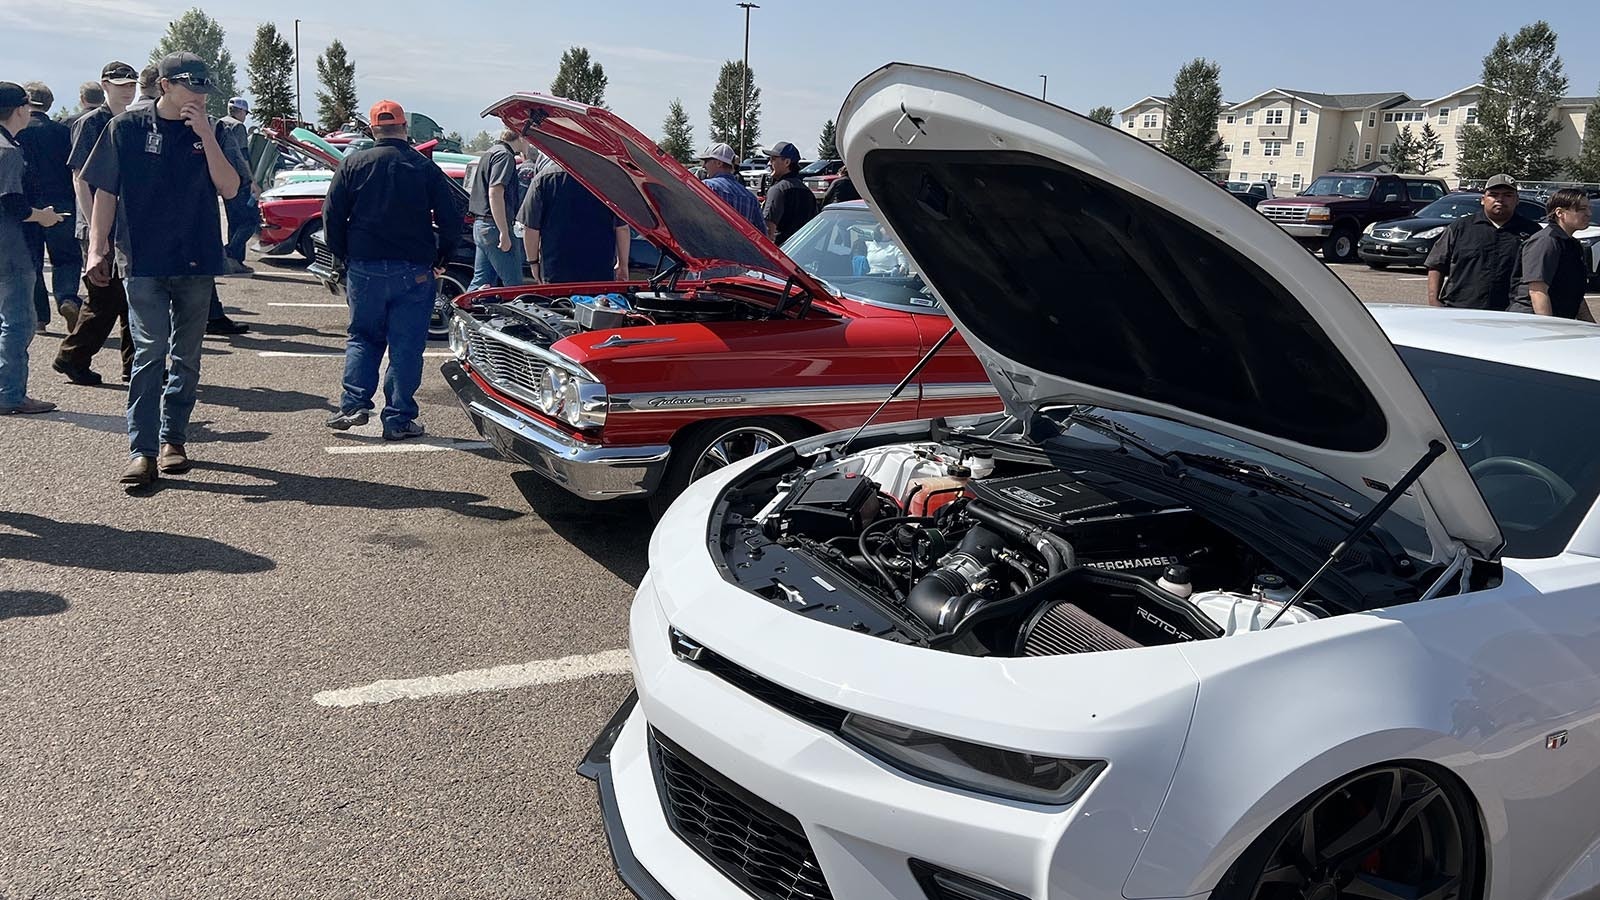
pixel 141 472
pixel 173 461
pixel 28 407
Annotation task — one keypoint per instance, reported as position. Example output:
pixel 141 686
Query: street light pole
pixel 1046 88
pixel 744 79
pixel 299 112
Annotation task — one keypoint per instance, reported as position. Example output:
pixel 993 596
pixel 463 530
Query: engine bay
pixel 946 546
pixel 543 318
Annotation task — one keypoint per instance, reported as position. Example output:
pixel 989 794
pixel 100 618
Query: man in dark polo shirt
pixel 46 145
pixel 569 235
pixel 106 305
pixel 392 216
pixel 159 171
pixel 496 197
pixel 790 204
pixel 1470 265
pixel 16 265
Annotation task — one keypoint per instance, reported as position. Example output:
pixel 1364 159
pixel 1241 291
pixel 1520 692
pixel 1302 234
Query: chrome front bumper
pixel 591 471
pixel 1306 231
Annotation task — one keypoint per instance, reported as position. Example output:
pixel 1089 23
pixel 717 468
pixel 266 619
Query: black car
pixel 1406 242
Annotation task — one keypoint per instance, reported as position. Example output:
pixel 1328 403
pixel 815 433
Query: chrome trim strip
pixel 752 399
pixel 959 390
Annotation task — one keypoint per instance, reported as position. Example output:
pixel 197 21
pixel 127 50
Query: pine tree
pixel 724 112
pixel 1405 154
pixel 1347 162
pixel 270 70
pixel 1191 131
pixel 1430 149
pixel 480 142
pixel 1515 133
pixel 1102 114
pixel 677 135
pixel 336 103
pixel 580 80
pixel 198 33
pixel 828 142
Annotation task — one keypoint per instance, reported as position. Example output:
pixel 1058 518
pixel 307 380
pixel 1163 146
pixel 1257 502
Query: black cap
pixel 188 69
pixel 118 72
pixel 1178 574
pixel 12 95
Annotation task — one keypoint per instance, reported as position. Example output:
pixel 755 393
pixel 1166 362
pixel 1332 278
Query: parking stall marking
pixel 330 354
pixel 477 681
pixel 410 447
pixel 313 305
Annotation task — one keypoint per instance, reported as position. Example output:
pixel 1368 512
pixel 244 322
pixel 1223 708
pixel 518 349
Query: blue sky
pixel 451 59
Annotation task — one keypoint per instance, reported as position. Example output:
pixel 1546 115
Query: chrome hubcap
pixel 740 443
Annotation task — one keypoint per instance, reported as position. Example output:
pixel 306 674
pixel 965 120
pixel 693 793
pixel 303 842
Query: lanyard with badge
pixel 152 141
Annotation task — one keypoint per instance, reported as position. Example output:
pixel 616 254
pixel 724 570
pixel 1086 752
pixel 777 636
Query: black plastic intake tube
pixel 1056 550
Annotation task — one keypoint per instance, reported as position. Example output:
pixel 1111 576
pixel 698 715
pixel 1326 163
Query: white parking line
pixel 295 354
pixel 477 681
pixel 410 447
pixel 313 305
pixel 1413 278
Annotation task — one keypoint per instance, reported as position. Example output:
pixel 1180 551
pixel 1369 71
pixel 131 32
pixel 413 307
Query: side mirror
pixel 1391 198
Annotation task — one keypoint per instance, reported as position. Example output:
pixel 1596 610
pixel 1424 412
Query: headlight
pixel 552 390
pixel 458 336
pixel 974 767
pixel 574 400
pixel 1368 229
pixel 1430 233
pixel 1318 214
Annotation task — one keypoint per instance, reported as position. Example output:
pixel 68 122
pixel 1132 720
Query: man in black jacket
pixel 45 146
pixel 380 217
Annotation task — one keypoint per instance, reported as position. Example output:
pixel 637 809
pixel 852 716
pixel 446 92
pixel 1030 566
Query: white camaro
pixel 1249 595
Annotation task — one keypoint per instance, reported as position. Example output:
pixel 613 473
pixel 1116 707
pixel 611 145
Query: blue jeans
pixel 493 266
pixel 66 264
pixel 168 319
pixel 244 217
pixel 17 322
pixel 390 303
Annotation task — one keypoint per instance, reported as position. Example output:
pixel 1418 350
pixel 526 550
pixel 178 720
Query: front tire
pixel 449 288
pixel 1340 246
pixel 1380 266
pixel 709 446
pixel 305 247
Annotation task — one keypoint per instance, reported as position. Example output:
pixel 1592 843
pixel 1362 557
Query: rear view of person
pixel 496 195
pixel 569 235
pixel 45 146
pixel 17 316
pixel 380 218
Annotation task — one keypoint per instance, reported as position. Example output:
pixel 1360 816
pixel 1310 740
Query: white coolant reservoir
pixel 1237 613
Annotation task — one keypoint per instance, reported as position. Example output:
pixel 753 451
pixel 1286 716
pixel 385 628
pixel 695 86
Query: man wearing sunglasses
pixel 159 171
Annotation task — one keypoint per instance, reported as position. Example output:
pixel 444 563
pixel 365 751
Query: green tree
pixel 1191 132
pixel 455 138
pixel 1430 149
pixel 1523 78
pixel 198 33
pixel 1347 162
pixel 1102 114
pixel 480 142
pixel 724 112
pixel 579 79
pixel 1587 166
pixel 336 101
pixel 270 71
pixel 1405 153
pixel 828 142
pixel 677 135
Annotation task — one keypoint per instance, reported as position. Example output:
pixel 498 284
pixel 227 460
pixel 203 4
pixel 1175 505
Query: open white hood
pixel 1085 266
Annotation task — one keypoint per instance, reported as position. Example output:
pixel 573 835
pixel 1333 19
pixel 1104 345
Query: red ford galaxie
pixel 732 347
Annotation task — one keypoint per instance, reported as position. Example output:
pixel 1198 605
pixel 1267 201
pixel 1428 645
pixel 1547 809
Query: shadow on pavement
pixel 200 432
pixel 260 399
pixel 278 329
pixel 280 279
pixel 331 491
pixel 104 548
pixel 613 533
pixel 20 604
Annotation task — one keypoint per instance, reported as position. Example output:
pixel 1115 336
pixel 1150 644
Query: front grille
pixel 324 258
pixel 503 365
pixel 1391 234
pixel 759 847
pixel 1284 214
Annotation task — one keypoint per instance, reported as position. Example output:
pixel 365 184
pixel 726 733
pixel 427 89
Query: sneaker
pixel 225 325
pixel 77 374
pixel 173 460
pixel 401 432
pixel 27 407
pixel 69 310
pixel 141 472
pixel 344 421
pixel 232 268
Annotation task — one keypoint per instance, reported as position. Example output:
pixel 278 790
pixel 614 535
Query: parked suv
pixel 1331 213
pixel 1406 241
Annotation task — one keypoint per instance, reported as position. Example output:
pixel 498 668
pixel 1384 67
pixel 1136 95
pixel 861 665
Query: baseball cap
pixel 720 152
pixel 1500 181
pixel 187 69
pixel 12 95
pixel 239 103
pixel 119 73
pixel 386 112
pixel 39 94
pixel 783 149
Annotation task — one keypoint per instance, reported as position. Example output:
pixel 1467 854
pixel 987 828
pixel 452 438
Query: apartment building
pixel 1288 137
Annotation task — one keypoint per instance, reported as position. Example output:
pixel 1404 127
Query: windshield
pixel 820 167
pixel 1340 186
pixel 1453 207
pixel 849 248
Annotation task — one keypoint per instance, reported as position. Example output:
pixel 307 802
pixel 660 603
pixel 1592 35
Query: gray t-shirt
pixel 14 256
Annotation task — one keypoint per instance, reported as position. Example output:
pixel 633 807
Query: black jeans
pixel 66 263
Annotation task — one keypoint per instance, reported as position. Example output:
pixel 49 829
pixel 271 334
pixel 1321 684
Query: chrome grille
pixel 504 365
pixel 1391 234
pixel 1284 213
pixel 324 258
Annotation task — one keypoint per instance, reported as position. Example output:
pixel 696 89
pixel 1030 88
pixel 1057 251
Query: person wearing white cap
pixel 721 179
pixel 244 214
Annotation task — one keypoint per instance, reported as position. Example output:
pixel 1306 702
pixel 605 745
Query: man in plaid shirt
pixel 724 182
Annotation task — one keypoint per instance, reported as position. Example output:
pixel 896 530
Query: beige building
pixel 1288 137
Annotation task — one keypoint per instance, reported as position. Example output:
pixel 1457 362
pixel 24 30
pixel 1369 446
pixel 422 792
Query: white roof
pixel 1518 339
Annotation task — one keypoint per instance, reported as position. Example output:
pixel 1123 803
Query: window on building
pixel 1228 119
pixel 1250 117
pixel 1366 151
pixel 1383 151
pixel 1128 123
pixel 1299 148
pixel 1274 117
pixel 1372 119
pixel 1444 115
pixel 1294 180
pixel 1227 148
pixel 1272 148
pixel 1244 176
pixel 1305 114
pixel 1244 149
pixel 1388 117
pixel 1469 116
pixel 1149 120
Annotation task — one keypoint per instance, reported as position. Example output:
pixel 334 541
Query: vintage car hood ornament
pixel 1085 266
pixel 646 188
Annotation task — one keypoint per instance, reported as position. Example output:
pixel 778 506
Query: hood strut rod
pixel 915 371
pixel 1364 524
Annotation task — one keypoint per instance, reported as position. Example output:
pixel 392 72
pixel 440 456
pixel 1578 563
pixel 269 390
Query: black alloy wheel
pixel 305 246
pixel 1387 833
pixel 710 446
pixel 1341 245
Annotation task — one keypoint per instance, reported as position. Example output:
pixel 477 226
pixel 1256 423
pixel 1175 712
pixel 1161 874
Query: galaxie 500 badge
pixel 681 402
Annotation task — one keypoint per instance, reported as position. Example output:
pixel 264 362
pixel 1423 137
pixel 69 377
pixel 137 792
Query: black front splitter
pixel 596 766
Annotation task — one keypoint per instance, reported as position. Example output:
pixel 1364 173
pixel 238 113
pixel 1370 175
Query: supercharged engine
pixel 939 545
pixel 544 318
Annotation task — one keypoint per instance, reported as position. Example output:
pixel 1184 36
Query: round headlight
pixel 552 391
pixel 571 403
pixel 458 336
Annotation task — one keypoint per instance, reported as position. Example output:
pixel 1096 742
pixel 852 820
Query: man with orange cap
pixel 392 217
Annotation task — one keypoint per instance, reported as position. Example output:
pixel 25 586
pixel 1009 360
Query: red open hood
pixel 646 188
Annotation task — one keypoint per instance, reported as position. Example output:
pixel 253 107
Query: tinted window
pixel 1455 206
pixel 1340 186
pixel 848 248
pixel 1425 191
pixel 1534 211
pixel 1527 437
pixel 1072 276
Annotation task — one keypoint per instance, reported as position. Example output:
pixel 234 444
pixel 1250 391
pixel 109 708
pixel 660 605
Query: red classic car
pixel 732 347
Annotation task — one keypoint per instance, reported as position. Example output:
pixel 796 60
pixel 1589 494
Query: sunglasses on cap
pixel 194 81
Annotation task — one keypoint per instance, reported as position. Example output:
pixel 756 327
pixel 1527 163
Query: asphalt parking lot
pixel 229 686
